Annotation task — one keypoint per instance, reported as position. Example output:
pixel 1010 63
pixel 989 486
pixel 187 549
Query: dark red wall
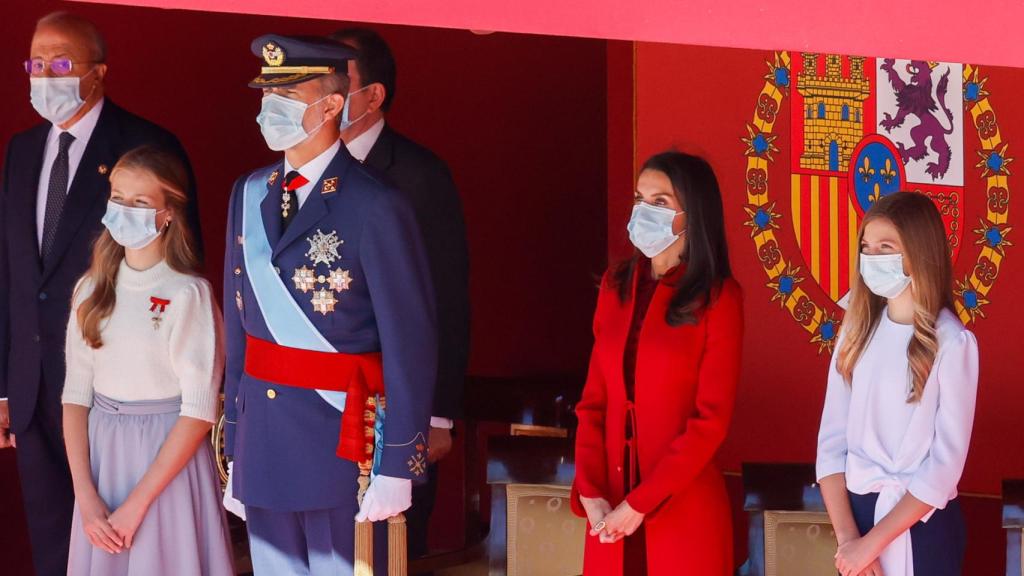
pixel 520 120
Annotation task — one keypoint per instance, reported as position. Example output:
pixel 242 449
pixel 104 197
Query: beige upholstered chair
pixel 544 537
pixel 798 543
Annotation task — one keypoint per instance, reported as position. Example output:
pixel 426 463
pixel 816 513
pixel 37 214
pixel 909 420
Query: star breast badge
pixel 323 251
pixel 323 248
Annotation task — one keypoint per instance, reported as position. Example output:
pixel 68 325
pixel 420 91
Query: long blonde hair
pixel 179 251
pixel 927 255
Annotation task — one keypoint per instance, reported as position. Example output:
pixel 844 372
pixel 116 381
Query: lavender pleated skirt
pixel 185 531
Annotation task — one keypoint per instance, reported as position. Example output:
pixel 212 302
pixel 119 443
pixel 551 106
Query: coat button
pixel 277 269
pixel 238 271
pixel 271 393
pixel 35 338
pixel 42 295
pixel 618 468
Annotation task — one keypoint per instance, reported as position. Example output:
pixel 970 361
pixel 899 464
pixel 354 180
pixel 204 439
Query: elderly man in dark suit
pixel 53 196
pixel 425 180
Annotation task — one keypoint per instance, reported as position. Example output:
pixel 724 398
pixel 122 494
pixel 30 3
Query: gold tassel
pixel 397 553
pixel 364 536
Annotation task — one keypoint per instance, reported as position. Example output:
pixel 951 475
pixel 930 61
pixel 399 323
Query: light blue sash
pixel 288 324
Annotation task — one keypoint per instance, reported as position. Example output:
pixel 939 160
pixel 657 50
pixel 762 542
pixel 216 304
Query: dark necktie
pixel 56 193
pixel 289 197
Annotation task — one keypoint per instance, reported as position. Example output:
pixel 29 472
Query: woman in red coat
pixel 661 386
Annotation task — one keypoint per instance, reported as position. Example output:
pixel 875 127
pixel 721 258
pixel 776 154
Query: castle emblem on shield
pixel 860 129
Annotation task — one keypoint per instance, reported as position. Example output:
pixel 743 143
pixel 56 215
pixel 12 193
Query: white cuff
pixel 232 504
pixel 438 422
pixel 386 496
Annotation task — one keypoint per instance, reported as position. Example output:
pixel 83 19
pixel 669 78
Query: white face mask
pixel 650 228
pixel 131 227
pixel 280 120
pixel 883 274
pixel 57 99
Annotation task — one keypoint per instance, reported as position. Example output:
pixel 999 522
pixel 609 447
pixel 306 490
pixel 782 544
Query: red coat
pixel 685 389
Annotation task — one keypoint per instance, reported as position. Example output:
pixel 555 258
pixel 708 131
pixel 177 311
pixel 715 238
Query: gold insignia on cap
pixel 273 177
pixel 273 55
pixel 102 169
pixel 330 185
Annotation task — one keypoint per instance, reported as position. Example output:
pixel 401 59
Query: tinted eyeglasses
pixel 59 66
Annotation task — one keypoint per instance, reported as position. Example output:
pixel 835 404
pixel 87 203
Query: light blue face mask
pixel 883 274
pixel 58 99
pixel 280 120
pixel 650 228
pixel 130 226
pixel 345 122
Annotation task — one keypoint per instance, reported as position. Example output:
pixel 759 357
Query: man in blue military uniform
pixel 329 318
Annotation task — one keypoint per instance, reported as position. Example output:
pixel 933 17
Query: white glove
pixel 385 497
pixel 232 504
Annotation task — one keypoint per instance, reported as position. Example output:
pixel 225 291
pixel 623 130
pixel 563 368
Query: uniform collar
pixel 314 169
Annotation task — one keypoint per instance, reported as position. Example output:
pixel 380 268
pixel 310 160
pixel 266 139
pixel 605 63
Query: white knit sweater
pixel 182 354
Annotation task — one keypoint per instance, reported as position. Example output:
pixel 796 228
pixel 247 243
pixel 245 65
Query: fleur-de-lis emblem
pixel 874 196
pixel 887 173
pixel 866 171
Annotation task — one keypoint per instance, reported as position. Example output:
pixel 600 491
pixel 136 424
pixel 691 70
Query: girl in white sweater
pixel 144 366
pixel 899 407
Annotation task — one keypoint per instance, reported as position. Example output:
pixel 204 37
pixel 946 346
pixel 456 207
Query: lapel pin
pixel 330 185
pixel 103 169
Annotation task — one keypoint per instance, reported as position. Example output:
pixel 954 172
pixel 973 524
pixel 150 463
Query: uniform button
pixel 42 295
pixel 271 393
pixel 238 271
pixel 618 468
pixel 36 338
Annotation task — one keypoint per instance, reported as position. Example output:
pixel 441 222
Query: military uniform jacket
pixel 353 265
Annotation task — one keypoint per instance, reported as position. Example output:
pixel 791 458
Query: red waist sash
pixel 360 376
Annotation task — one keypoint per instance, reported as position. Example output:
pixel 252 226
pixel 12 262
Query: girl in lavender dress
pixel 144 365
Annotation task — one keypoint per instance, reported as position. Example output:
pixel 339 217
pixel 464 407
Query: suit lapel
pixel 89 186
pixel 24 191
pixel 315 206
pixel 271 205
pixel 382 154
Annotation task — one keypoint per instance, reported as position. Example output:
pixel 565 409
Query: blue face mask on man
pixel 280 120
pixel 345 121
pixel 650 228
pixel 58 99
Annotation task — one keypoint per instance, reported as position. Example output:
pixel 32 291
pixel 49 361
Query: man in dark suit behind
pixel 52 199
pixel 425 180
